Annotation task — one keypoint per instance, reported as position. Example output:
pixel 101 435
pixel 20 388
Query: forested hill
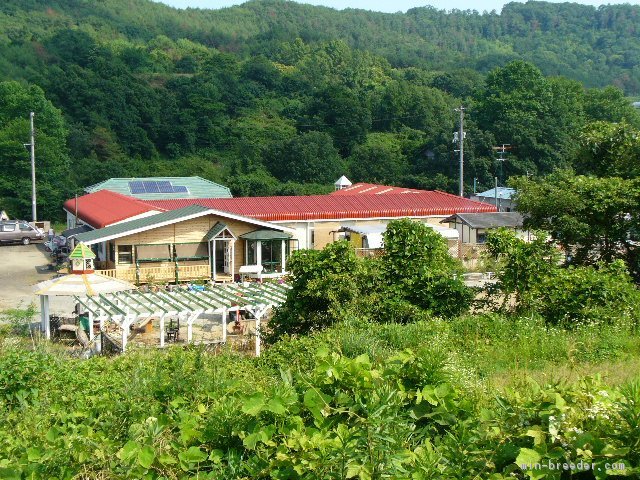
pixel 597 46
pixel 275 97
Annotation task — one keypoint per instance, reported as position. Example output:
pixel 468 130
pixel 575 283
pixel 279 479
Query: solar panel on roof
pixel 165 186
pixel 136 187
pixel 151 187
pixel 180 189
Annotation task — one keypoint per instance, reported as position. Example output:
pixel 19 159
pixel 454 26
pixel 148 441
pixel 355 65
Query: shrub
pixel 587 295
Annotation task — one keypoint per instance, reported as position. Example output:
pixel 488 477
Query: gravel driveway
pixel 22 266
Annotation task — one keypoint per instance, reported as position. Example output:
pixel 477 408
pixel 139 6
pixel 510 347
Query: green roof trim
pixel 215 231
pixel 82 251
pixel 265 234
pixel 141 224
pixel 197 187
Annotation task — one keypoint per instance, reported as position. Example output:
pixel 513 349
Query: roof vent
pixel 342 183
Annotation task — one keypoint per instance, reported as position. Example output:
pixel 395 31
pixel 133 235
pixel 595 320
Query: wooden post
pixel 125 332
pixel 211 260
pixel 162 330
pixel 232 247
pixel 90 324
pixel 224 325
pixel 44 316
pixel 258 335
pixel 47 318
pixel 213 265
pixel 190 321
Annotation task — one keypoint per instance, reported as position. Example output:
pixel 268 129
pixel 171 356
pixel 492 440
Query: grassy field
pixel 472 397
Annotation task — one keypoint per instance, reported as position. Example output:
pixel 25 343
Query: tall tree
pixel 379 159
pixel 52 160
pixel 310 157
pixel 609 150
pixel 517 107
pixel 594 219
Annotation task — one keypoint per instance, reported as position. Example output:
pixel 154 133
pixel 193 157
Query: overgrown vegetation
pixel 531 279
pixel 414 278
pixel 374 371
pixel 359 400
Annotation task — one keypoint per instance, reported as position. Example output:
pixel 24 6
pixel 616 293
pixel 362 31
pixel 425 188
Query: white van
pixel 19 231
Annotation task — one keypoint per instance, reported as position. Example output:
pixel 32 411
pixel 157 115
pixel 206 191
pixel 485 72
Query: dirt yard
pixel 21 266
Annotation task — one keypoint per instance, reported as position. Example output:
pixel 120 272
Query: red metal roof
pixel 375 189
pixel 327 207
pixel 105 207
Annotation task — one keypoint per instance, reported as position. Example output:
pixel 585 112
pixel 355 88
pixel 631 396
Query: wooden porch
pixel 162 274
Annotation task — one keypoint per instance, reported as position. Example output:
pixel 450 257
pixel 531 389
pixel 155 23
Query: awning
pixel 72 232
pixel 215 231
pixel 365 230
pixel 373 234
pixel 186 251
pixel 446 232
pixel 153 252
pixel 82 284
pixel 266 235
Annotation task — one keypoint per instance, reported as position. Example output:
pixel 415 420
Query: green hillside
pixel 275 97
pixel 598 46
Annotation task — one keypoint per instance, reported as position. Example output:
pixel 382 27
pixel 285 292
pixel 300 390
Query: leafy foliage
pixel 414 278
pixel 594 219
pixel 399 413
pixel 324 286
pixel 567 296
pixel 416 266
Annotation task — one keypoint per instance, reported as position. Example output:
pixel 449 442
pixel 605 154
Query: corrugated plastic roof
pixel 141 223
pixel 105 207
pixel 329 207
pixel 503 192
pixel 488 220
pixel 375 189
pixel 197 187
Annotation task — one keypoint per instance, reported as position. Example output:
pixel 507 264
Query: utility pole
pixel 460 137
pixel 32 146
pixel 501 151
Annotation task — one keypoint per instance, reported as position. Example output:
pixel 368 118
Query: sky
pixel 387 5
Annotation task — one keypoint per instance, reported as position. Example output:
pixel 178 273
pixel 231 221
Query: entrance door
pixel 222 258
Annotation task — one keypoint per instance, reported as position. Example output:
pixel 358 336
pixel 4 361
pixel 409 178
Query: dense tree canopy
pixel 52 161
pixel 276 97
pixel 593 218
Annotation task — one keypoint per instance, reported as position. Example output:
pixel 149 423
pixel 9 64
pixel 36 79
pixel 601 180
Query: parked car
pixel 19 231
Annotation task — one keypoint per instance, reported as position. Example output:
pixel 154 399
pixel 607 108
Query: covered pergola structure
pixel 187 304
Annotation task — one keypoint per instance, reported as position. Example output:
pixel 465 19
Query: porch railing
pixel 108 273
pixel 168 273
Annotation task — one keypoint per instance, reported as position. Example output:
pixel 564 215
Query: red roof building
pixel 337 206
pixel 105 207
pixel 316 218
